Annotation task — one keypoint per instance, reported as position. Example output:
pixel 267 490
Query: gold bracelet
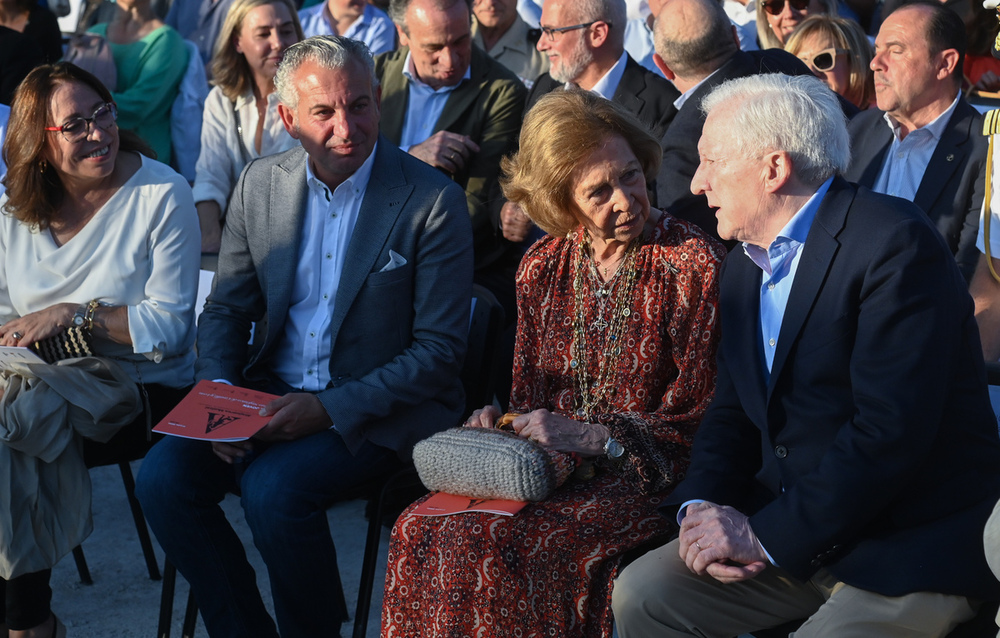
pixel 89 317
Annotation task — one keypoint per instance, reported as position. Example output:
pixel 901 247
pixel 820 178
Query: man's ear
pixel 777 170
pixel 403 40
pixel 947 61
pixel 661 65
pixel 598 33
pixel 288 119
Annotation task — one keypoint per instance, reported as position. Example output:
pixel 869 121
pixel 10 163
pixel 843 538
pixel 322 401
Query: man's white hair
pixel 796 114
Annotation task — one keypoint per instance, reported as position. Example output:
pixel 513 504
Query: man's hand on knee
pixel 717 540
pixel 295 415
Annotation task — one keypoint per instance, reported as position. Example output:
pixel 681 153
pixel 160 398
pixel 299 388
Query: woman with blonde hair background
pixel 837 51
pixel 777 19
pixel 241 121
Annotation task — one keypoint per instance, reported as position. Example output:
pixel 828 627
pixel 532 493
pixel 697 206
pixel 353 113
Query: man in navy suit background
pixel 353 262
pixel 850 459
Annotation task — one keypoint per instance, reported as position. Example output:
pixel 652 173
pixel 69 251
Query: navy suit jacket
pixel 952 189
pixel 643 93
pixel 399 335
pixel 680 142
pixel 871 448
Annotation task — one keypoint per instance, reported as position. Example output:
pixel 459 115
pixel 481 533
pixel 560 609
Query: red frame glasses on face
pixel 77 128
pixel 774 7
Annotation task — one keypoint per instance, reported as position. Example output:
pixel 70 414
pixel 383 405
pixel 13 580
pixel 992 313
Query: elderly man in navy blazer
pixel 354 262
pixel 924 141
pixel 849 460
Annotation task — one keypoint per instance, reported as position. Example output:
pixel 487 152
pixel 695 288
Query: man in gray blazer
pixel 354 263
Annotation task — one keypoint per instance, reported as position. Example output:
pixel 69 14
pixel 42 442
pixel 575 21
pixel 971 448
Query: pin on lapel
pixel 950 157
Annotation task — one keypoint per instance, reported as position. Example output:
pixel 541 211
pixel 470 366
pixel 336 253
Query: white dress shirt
pixel 302 355
pixel 224 151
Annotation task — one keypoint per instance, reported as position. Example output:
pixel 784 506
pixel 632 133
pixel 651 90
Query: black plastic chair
pixel 388 497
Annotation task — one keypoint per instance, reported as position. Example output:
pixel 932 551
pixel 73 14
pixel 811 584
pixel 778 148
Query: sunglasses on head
pixel 774 7
pixel 824 60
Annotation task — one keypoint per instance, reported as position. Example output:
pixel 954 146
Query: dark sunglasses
pixel 774 7
pixel 824 60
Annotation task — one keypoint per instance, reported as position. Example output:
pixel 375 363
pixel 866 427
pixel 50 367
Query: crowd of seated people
pixel 736 263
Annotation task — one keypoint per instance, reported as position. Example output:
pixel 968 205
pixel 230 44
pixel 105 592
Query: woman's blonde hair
pixel 230 71
pixel 766 35
pixel 559 132
pixel 846 34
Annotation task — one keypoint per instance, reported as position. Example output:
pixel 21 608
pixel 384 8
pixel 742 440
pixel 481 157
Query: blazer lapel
pixel 383 202
pixel 286 211
pixel 818 252
pixel 742 285
pixel 878 139
pixel 465 93
pixel 948 156
pixel 631 87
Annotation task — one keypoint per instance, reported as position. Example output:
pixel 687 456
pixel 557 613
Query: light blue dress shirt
pixel 639 44
pixel 907 159
pixel 374 27
pixel 424 107
pixel 778 265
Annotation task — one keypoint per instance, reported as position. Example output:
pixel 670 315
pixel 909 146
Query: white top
pixel 224 153
pixel 302 355
pixel 141 250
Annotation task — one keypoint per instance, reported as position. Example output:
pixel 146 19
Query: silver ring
pixel 17 335
pixel 698 545
pixel 452 157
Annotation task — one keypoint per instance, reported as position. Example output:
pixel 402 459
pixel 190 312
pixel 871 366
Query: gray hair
pixel 796 114
pixel 611 11
pixel 398 9
pixel 328 51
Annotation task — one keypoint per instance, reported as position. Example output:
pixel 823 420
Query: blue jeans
pixel 285 488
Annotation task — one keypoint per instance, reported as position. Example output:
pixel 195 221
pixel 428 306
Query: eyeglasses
pixel 824 60
pixel 774 7
pixel 78 128
pixel 553 33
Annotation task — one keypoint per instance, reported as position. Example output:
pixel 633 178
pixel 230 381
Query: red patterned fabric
pixel 548 570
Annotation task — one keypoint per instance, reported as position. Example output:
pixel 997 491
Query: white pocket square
pixel 395 261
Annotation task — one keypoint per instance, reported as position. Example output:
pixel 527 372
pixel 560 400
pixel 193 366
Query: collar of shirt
pixel 356 183
pixel 791 236
pixel 679 102
pixel 424 106
pixel 410 72
pixel 934 128
pixel 779 264
pixel 608 84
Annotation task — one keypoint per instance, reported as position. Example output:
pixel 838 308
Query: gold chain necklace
pixel 588 395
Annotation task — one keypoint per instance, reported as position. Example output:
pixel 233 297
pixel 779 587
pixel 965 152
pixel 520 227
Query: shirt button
pixel 326 296
pixel 899 156
pixel 333 215
pixel 770 342
pixel 329 256
pixel 780 451
pixel 770 286
pixel 312 334
pixel 309 371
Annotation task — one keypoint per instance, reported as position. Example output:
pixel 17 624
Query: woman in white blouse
pixel 241 121
pixel 92 234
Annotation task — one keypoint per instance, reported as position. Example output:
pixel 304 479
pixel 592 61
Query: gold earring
pixel 42 165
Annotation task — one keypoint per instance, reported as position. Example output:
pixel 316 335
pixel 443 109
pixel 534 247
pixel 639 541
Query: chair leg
pixel 368 567
pixel 166 599
pixel 190 617
pixel 81 566
pixel 140 521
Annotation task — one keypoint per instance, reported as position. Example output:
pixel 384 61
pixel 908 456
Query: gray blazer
pixel 399 336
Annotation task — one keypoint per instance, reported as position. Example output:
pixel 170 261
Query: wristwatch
pixel 613 449
pixel 80 316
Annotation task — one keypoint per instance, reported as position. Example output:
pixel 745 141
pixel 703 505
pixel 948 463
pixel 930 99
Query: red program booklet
pixel 442 504
pixel 217 412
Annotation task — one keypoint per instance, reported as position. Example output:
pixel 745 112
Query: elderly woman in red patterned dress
pixel 615 360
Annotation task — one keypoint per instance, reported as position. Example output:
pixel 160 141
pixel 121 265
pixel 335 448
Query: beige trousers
pixel 657 595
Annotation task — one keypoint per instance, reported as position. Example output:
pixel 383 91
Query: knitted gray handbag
pixel 490 464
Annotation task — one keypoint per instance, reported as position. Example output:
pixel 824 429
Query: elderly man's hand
pixel 717 540
pixel 515 224
pixel 445 150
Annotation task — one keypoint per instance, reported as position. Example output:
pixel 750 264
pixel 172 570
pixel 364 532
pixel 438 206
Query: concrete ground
pixel 123 601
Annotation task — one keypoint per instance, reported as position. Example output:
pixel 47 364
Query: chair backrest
pixel 485 326
pixel 186 114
